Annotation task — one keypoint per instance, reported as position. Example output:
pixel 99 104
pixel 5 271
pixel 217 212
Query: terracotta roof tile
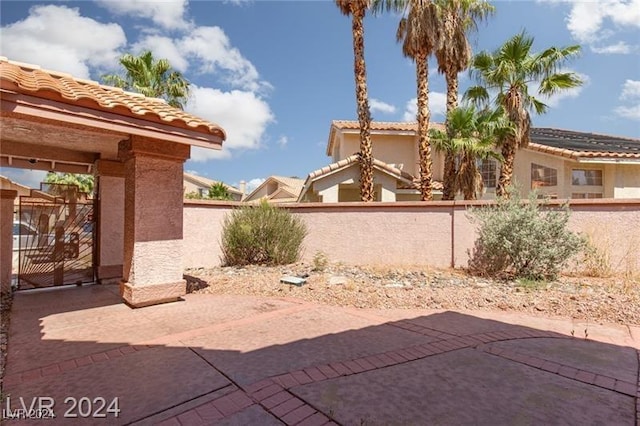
pixel 406 180
pixel 32 80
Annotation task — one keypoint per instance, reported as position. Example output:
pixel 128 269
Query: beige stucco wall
pixel 392 149
pixel 627 181
pixel 409 233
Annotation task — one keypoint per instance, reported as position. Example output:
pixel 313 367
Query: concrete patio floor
pixel 242 360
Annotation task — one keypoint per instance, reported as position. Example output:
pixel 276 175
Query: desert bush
pixel 261 235
pixel 523 239
pixel 320 261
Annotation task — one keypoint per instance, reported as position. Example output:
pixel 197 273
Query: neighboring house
pixel 200 185
pixel 559 163
pixel 6 183
pixel 277 189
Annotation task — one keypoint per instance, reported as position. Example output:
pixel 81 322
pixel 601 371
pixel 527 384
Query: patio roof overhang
pixel 52 121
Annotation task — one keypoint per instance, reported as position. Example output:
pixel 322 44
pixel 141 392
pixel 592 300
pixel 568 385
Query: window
pixel 583 195
pixel 581 177
pixel 543 176
pixel 489 170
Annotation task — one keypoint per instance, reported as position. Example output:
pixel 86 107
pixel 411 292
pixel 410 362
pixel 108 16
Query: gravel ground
pixel 598 300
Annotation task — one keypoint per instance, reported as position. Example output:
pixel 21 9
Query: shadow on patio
pixel 248 360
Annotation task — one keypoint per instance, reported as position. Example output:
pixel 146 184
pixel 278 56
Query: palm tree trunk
pixel 449 175
pixel 362 99
pixel 506 171
pixel 422 75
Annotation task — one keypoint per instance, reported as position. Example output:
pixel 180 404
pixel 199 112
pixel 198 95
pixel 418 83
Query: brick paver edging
pixel 599 380
pixel 71 364
pixel 267 394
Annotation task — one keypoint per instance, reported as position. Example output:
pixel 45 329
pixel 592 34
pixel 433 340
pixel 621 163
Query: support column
pixel 109 211
pixel 7 199
pixel 153 210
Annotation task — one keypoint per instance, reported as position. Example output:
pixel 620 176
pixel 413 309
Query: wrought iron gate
pixel 55 237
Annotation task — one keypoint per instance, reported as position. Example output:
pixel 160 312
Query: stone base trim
pixel 138 296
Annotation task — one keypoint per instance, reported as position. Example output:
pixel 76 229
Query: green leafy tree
pixel 456 19
pixel 151 77
pixel 506 75
pixel 85 183
pixel 357 10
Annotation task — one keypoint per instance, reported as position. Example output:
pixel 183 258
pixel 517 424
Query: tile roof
pixel 579 145
pixel 32 80
pixel 566 143
pixel 376 126
pixel 206 182
pixel 291 185
pixel 406 180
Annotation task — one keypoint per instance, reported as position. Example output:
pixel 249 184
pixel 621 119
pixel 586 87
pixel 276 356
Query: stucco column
pixel 109 212
pixel 7 198
pixel 153 209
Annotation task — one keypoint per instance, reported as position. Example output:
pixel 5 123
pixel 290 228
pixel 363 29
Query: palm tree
pixel 153 78
pixel 418 32
pixel 507 73
pixel 457 18
pixel 219 191
pixel 357 10
pixel 470 136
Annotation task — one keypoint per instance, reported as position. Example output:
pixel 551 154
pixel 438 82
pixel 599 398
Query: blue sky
pixel 275 73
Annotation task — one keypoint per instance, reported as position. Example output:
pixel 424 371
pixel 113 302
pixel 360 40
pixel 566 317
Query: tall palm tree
pixel 153 78
pixel 507 74
pixel 357 10
pixel 418 32
pixel 457 18
pixel 470 135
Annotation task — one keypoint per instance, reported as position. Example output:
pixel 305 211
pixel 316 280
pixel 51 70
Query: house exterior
pixel 200 185
pixel 277 190
pixel 558 163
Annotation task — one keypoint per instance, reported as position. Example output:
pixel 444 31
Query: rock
pixel 395 285
pixel 337 280
pixel 293 280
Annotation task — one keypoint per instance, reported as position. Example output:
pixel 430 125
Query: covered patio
pixel 133 145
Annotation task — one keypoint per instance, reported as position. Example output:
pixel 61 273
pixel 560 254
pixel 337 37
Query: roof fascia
pixel 21 104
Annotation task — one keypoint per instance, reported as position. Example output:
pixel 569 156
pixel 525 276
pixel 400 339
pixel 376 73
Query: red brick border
pixel 71 364
pixel 268 394
pixel 599 380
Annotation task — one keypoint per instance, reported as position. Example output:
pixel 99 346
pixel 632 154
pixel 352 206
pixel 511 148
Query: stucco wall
pixel 409 233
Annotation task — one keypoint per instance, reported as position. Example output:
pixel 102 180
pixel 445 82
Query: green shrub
pixel 261 235
pixel 521 239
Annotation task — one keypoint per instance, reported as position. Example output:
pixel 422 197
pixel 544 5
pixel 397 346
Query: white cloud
pixel 618 48
pixel 254 183
pixel 379 106
pixel 43 38
pixel 211 46
pixel 594 21
pixel 165 48
pixel 437 106
pixel 282 141
pixel 30 178
pixel 630 92
pixel 209 51
pixel 243 115
pixel 168 14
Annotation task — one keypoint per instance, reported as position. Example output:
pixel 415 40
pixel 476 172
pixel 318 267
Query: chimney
pixel 243 189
